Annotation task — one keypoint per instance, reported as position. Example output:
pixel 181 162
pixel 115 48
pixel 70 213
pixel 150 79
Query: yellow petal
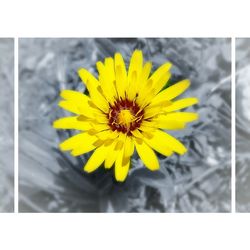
pixel 148 126
pixel 96 159
pixel 168 121
pixel 158 144
pixel 170 125
pixel 107 134
pixel 79 107
pixel 152 111
pixel 178 116
pixel 94 89
pixel 144 75
pixel 73 95
pixel 121 167
pixel 69 106
pixel 158 75
pixel 121 75
pixel 107 79
pixel 88 78
pixel 97 127
pixel 111 155
pixel 82 139
pixel 147 155
pixel 163 69
pixel 110 68
pixel 170 142
pixel 71 123
pixel 147 134
pixel 128 147
pixel 101 118
pixel 81 101
pixel 145 85
pixel 135 68
pixel 180 104
pixel 110 71
pixel 161 82
pixel 171 92
pixel 84 148
pixel 136 63
pixel 98 99
pixel 145 94
pixel 137 133
pixel 120 141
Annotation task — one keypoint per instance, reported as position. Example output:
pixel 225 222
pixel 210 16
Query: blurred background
pixel 242 124
pixel 7 125
pixel 53 181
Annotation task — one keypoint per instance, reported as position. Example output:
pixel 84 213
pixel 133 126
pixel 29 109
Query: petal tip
pixel 87 169
pixel 184 151
pixel 62 147
pixel 81 71
pixel 118 55
pixel 55 124
pixel 169 65
pixel 120 178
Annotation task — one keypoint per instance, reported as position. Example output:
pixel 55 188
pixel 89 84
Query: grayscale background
pixel 53 181
pixel 242 125
pixel 7 125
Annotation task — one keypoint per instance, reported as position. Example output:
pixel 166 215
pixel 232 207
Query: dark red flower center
pixel 125 116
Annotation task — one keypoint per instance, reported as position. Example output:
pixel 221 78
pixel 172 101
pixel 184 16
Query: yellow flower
pixel 125 111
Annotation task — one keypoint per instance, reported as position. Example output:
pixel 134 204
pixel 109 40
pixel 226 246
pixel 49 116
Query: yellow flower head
pixel 125 110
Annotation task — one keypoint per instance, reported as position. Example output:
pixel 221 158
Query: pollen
pixel 125 117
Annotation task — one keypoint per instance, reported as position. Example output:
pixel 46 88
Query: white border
pixel 130 18
pixel 124 231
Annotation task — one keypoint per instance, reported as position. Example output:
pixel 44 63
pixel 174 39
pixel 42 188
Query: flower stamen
pixel 125 116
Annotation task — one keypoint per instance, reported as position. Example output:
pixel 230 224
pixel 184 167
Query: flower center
pixel 125 116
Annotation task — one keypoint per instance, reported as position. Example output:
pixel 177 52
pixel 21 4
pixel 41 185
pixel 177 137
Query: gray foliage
pixel 242 125
pixel 53 181
pixel 7 125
